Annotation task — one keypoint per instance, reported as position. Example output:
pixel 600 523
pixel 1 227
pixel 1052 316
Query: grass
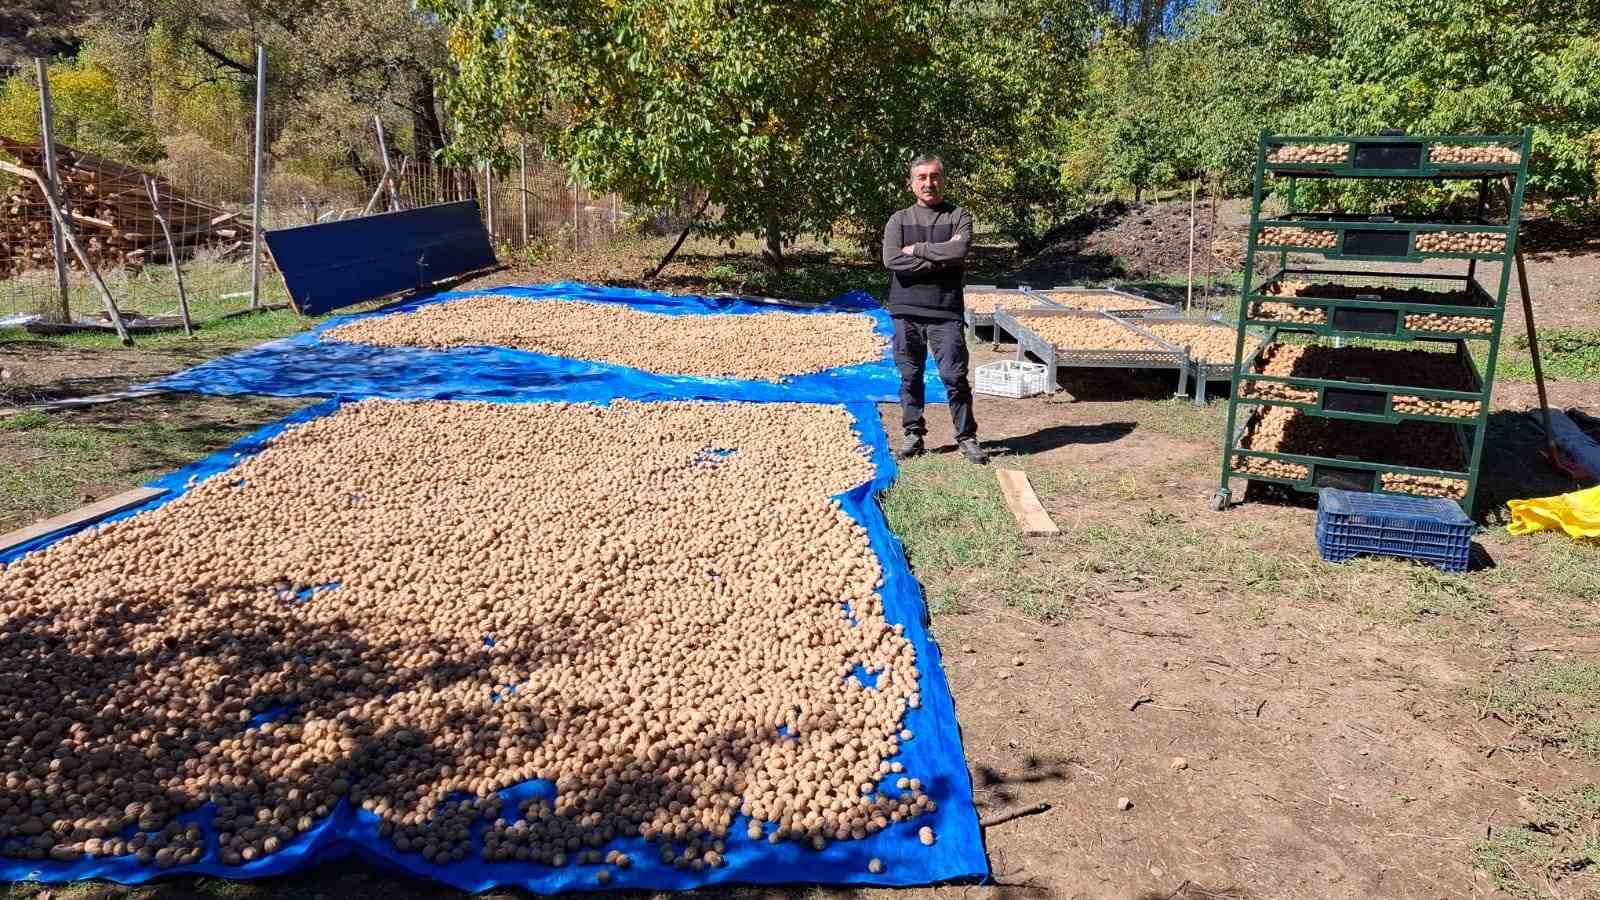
pixel 54 459
pixel 1558 845
pixel 220 333
pixel 1178 417
pixel 149 291
pixel 960 537
pixel 1554 704
pixel 1571 354
pixel 964 546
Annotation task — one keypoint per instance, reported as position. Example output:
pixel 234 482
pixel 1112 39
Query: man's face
pixel 927 183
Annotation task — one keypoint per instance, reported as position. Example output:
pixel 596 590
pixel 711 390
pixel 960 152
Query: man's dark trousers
pixel 914 336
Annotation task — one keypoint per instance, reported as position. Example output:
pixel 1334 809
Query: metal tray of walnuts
pixel 1381 238
pixel 1309 465
pixel 1389 305
pixel 1127 304
pixel 1366 383
pixel 980 314
pixel 1397 155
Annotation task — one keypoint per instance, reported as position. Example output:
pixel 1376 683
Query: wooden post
pixel 1194 188
pixel 383 178
pixel 57 241
pixel 59 216
pixel 394 191
pixel 261 137
pixel 172 254
pixel 574 214
pixel 524 185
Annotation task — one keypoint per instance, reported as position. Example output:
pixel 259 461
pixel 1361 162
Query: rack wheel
pixel 1219 500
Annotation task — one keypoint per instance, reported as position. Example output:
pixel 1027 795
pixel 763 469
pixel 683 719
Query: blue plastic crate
pixel 1426 529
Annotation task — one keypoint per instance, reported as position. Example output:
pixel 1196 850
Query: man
pixel 923 247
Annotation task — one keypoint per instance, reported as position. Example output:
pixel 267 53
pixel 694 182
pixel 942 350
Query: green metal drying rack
pixel 1369 307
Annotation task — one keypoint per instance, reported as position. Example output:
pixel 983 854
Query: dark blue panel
pixel 337 264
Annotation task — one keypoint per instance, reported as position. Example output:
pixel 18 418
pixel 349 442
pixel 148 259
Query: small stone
pixel 1016 660
pixel 925 835
pixel 1124 804
pixel 1179 763
pixel 875 866
pixel 1004 675
pixel 967 648
pixel 603 876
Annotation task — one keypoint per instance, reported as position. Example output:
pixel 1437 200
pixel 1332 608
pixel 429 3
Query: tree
pixel 783 114
pixel 331 65
pixel 87 112
pixel 1005 83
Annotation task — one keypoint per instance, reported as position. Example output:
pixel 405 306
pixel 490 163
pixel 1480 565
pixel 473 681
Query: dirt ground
pixel 1326 751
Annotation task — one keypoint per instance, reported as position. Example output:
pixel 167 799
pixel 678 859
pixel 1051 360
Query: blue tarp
pixel 307 366
pixel 933 755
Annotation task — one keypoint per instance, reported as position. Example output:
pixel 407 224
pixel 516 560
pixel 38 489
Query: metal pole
pixel 261 133
pixel 524 154
pixel 488 197
pixel 58 241
pixel 1194 187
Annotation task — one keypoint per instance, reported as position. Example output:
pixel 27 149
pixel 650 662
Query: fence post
pixel 488 197
pixel 261 133
pixel 58 241
pixel 383 179
pixel 524 192
pixel 575 214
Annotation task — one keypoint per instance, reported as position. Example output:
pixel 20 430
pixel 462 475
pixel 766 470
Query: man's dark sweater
pixel 927 281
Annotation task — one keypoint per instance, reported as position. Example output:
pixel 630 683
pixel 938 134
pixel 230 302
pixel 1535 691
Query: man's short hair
pixel 923 159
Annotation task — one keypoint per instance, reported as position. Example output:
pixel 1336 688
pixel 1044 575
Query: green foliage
pixel 88 113
pixel 784 114
pixel 795 119
pixel 1361 66
pixel 998 103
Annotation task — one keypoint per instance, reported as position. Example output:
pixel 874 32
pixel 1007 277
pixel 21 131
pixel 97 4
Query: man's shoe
pixel 973 453
pixel 910 447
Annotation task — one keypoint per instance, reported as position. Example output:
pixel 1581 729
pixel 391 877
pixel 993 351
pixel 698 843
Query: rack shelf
pixel 1315 415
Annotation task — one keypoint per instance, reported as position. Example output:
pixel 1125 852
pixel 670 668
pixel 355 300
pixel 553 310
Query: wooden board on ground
pixel 1024 503
pixel 90 513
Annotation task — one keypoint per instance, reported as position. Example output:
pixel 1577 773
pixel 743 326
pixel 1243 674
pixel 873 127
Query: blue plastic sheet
pixel 934 755
pixel 307 366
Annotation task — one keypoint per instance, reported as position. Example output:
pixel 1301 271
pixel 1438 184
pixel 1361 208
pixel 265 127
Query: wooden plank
pixel 80 516
pixel 1024 503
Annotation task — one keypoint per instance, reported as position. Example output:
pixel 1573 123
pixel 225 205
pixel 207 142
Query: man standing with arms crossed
pixel 924 246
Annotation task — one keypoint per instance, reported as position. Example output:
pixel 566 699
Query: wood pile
pixel 110 211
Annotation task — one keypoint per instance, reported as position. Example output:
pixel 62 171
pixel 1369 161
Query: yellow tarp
pixel 1577 513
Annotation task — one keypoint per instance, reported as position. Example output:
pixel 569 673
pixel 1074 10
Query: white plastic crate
pixel 1010 378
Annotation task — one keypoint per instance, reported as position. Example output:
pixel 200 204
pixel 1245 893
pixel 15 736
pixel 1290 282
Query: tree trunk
pixel 427 137
pixel 772 249
pixel 1137 193
pixel 682 236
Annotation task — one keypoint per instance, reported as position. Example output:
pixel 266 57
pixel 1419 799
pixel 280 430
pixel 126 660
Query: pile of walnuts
pixel 657 607
pixel 768 346
pixel 1460 242
pixel 1321 154
pixel 1308 238
pixel 1086 300
pixel 1476 154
